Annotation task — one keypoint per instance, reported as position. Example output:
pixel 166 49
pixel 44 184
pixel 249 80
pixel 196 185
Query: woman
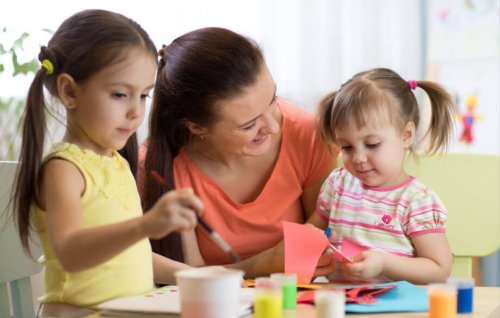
pixel 255 160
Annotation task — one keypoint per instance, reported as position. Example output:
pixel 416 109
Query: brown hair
pixel 195 71
pixel 83 45
pixel 381 93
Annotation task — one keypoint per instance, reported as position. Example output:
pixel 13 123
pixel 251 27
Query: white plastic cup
pixel 329 303
pixel 209 292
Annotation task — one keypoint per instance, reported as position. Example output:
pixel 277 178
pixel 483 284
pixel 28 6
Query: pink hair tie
pixel 412 84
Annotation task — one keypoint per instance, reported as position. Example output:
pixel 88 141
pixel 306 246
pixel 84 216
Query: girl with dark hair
pixel 254 159
pixel 82 198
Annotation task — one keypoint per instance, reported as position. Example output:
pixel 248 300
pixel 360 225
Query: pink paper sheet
pixel 350 248
pixel 303 248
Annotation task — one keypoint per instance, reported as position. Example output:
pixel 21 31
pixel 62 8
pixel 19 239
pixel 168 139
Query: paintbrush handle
pixel 218 240
pixel 204 224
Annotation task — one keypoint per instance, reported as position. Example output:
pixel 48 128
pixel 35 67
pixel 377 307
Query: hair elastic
pixel 412 84
pixel 162 54
pixel 48 66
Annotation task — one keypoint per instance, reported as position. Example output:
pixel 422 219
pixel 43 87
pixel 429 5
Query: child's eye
pixel 346 148
pixel 144 96
pixel 371 146
pixel 249 126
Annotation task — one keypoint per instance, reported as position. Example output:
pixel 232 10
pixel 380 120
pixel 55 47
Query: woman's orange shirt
pixel 253 227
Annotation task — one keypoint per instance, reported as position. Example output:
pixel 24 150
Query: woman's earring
pixel 201 137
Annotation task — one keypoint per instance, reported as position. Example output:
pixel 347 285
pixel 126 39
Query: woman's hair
pixel 382 96
pixel 195 71
pixel 83 45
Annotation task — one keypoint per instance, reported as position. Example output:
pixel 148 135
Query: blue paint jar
pixel 465 294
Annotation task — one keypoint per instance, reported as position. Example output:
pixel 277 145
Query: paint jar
pixel 268 301
pixel 329 303
pixel 442 301
pixel 288 283
pixel 209 292
pixel 465 293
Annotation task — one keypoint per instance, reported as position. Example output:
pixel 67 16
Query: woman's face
pixel 249 123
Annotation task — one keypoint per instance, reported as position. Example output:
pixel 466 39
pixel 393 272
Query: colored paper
pixel 404 297
pixel 350 248
pixel 303 247
pixel 162 302
pixel 338 255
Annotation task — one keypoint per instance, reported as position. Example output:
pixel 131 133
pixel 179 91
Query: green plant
pixel 11 108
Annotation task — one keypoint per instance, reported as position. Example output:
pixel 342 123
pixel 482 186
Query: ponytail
pixel 27 181
pixel 163 147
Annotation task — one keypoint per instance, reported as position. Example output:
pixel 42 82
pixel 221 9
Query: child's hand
pixel 367 265
pixel 174 211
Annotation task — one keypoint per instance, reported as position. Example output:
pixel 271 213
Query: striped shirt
pixel 381 219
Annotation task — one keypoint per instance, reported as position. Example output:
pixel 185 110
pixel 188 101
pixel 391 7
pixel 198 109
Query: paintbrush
pixel 211 232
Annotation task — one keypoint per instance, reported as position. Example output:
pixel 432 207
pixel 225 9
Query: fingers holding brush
pixel 176 210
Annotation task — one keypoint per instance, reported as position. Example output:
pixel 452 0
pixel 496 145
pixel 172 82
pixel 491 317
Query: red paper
pixel 363 294
pixel 338 255
pixel 303 248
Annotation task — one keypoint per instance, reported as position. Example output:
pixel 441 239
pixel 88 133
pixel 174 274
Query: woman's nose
pixel 270 124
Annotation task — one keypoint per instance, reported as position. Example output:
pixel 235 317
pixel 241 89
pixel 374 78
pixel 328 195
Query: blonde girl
pixel 81 197
pixel 372 201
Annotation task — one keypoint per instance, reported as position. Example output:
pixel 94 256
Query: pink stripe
pixel 376 199
pixel 428 209
pixel 366 226
pixel 371 198
pixel 431 223
pixel 417 233
pixel 397 186
pixel 431 215
pixel 431 210
pixel 361 208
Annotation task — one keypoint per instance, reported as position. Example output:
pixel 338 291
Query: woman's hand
pixel 175 211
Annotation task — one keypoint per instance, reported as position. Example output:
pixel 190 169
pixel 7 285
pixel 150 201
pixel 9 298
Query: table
pixel 486 305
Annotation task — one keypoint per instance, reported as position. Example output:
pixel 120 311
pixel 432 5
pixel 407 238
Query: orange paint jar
pixel 442 301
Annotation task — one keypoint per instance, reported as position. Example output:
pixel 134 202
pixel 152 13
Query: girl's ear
pixel 409 134
pixel 66 87
pixel 195 129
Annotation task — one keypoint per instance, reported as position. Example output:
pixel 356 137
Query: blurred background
pixel 311 47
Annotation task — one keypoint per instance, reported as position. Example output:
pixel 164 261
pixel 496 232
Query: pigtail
pixel 27 181
pixel 443 109
pixel 325 120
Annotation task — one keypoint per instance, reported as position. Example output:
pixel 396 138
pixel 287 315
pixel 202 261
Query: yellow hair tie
pixel 48 66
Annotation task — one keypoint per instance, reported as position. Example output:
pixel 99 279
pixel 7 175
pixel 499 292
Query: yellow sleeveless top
pixel 110 196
